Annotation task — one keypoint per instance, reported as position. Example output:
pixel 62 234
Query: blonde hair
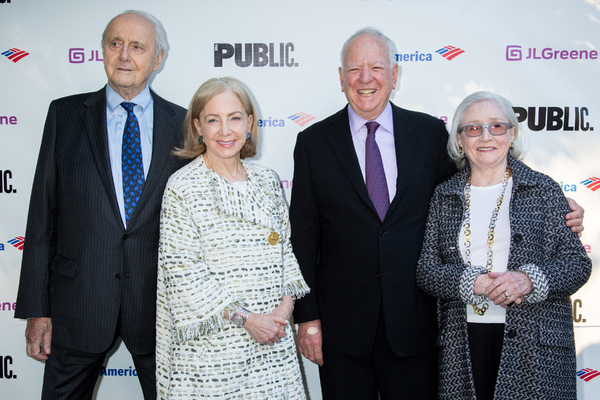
pixel 209 89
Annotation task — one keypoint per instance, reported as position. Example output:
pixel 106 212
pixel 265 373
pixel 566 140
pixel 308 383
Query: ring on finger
pixel 507 295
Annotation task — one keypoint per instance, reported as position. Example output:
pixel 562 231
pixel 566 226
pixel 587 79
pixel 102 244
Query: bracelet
pixel 240 315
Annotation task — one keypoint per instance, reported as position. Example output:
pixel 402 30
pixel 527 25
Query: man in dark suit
pixel 359 204
pixel 89 265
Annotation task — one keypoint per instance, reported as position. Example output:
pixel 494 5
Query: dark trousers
pixel 72 375
pixel 380 373
pixel 485 342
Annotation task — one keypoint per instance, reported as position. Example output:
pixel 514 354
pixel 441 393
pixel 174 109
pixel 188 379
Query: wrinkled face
pixel 224 124
pixel 485 152
pixel 129 54
pixel 367 78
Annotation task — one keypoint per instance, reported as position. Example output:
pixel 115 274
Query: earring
pixel 461 152
pixel 511 145
pixel 200 139
pixel 248 136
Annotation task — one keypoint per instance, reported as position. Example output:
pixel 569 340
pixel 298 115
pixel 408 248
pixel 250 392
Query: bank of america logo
pixel 591 183
pixel 301 118
pixel 587 374
pixel 450 52
pixel 17 242
pixel 15 54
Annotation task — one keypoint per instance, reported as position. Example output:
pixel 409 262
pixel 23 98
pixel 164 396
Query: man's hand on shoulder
pixel 575 218
pixel 38 335
pixel 310 341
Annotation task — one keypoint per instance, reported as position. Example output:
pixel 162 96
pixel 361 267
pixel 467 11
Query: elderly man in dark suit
pixel 89 263
pixel 363 178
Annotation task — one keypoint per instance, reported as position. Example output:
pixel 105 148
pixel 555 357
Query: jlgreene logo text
pixel 5 120
pixel 515 53
pixel 77 55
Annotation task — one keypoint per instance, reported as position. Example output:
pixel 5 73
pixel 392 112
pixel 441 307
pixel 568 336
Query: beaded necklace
pixel 481 309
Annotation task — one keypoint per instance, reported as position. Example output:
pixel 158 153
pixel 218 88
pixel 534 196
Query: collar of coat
pixel 261 204
pixel 522 176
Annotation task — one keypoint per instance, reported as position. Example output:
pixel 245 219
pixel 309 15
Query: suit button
pixel 511 334
pixel 518 238
pixel 378 275
pixel 125 236
pixel 383 233
pixel 118 276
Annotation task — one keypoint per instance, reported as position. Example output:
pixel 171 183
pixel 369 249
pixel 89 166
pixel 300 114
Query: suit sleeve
pixel 446 167
pixel 33 297
pixel 304 218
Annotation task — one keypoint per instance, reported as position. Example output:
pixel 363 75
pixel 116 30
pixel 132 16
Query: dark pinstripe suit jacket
pixel 80 266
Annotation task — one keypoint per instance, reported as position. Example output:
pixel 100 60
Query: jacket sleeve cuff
pixel 538 280
pixel 467 285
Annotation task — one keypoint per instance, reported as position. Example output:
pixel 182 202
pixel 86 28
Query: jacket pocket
pixel 64 266
pixel 558 333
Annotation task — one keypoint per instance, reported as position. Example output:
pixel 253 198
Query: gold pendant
pixel 480 310
pixel 273 238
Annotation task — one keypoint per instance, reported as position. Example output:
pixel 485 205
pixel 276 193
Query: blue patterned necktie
pixel 131 162
pixel 376 183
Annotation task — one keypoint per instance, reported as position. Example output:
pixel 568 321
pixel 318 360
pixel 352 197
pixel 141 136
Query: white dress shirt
pixel 116 116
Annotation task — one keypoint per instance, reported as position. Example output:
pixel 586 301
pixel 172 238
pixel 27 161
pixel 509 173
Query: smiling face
pixel 129 54
pixel 224 124
pixel 367 78
pixel 486 153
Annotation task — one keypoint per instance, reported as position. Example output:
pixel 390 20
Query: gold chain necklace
pixel 490 240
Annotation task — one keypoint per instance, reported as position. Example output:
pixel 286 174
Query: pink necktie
pixel 376 183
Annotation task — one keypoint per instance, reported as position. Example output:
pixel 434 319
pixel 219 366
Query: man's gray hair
pixel 503 105
pixel 160 35
pixel 375 32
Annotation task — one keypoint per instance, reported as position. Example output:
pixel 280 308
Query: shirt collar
pixel 385 120
pixel 114 100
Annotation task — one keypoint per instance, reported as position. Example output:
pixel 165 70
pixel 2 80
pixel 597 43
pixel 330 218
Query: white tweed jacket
pixel 214 252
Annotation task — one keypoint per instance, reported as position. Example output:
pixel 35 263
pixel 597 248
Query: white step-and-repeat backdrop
pixel 542 55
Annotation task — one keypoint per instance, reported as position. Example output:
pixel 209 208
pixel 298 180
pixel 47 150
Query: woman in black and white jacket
pixel 502 263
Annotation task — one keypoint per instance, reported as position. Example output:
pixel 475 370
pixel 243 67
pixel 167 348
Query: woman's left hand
pixel 508 287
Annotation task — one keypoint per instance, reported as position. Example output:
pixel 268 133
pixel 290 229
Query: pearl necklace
pixel 480 310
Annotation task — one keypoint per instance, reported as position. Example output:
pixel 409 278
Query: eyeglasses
pixel 495 129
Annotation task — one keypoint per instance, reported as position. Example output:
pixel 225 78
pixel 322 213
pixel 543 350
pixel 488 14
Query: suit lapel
pixel 162 136
pixel 340 139
pixel 405 143
pixel 95 126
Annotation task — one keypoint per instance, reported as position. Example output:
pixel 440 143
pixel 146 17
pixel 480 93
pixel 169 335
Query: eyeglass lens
pixel 495 129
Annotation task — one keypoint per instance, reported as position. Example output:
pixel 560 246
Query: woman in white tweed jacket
pixel 505 331
pixel 227 275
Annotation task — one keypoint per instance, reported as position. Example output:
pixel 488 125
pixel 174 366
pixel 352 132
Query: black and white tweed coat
pixel 538 355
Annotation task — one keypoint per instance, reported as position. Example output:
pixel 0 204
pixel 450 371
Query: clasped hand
pixel 270 328
pixel 503 288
